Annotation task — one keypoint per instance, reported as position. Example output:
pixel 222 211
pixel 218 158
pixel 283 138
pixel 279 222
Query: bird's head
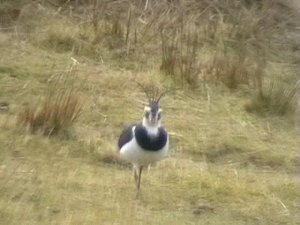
pixel 152 115
pixel 152 112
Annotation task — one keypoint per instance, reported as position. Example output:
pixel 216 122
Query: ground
pixel 226 165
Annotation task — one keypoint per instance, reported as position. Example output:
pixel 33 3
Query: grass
pixel 60 108
pixel 53 190
pixel 226 165
pixel 278 99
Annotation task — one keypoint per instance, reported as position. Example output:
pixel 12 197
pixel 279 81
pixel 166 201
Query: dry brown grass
pixel 277 99
pixel 59 109
pixel 179 57
pixel 169 54
pixel 226 30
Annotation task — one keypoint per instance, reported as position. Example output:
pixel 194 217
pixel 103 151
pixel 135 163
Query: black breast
pixel 125 136
pixel 150 143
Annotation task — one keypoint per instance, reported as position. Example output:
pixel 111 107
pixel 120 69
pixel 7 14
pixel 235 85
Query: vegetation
pixel 232 119
pixel 59 110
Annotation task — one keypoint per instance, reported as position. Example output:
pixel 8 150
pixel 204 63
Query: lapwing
pixel 145 142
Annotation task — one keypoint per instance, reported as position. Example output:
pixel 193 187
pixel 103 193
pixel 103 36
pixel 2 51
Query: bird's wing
pixel 126 136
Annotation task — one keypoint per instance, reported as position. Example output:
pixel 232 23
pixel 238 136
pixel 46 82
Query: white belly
pixel 133 153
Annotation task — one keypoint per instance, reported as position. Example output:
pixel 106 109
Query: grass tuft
pixel 229 69
pixel 179 57
pixel 169 54
pixel 59 110
pixel 277 99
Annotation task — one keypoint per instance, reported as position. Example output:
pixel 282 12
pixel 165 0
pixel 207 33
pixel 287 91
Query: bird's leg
pixel 139 177
pixel 139 180
pixel 135 175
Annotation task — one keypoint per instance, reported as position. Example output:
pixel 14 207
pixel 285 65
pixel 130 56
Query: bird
pixel 145 142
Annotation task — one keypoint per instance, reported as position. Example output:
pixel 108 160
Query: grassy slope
pixel 231 168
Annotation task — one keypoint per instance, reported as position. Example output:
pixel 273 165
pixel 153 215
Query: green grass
pixel 226 165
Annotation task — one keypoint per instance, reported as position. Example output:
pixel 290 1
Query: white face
pixel 152 117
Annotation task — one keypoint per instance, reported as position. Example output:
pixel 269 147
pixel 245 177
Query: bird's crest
pixel 153 92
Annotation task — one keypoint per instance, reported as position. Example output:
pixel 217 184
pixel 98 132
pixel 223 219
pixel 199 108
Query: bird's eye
pixel 158 116
pixel 147 114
